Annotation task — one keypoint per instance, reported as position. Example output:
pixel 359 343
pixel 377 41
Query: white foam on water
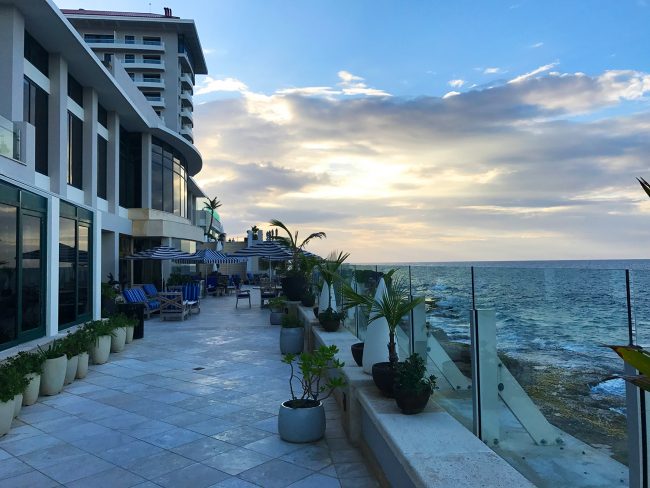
pixel 614 386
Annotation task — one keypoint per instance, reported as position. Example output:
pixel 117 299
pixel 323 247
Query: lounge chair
pixel 137 295
pixel 192 296
pixel 172 305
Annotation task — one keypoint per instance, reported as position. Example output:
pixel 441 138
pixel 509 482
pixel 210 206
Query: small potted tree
pixel 292 335
pixel 277 305
pixel 302 419
pixel 330 319
pixel 394 304
pixel 54 368
pixel 328 269
pixel 412 386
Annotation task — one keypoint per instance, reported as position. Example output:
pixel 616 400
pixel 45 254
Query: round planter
pixel 82 365
pixel 6 416
pixel 301 424
pixel 71 370
pixel 411 403
pixel 18 404
pixel 384 377
pixel 276 318
pixel 129 334
pixel 293 287
pixel 330 325
pixel 118 339
pixel 357 353
pixel 292 340
pixel 30 395
pixel 308 300
pixel 101 349
pixel 53 375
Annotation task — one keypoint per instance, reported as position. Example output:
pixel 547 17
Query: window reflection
pixel 8 273
pixel 67 270
pixel 32 289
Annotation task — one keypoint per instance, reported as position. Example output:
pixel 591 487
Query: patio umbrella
pixel 208 256
pixel 159 253
pixel 270 250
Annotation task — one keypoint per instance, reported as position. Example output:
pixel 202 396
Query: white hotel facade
pixel 96 161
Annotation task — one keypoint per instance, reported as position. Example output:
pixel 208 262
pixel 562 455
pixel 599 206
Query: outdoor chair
pixel 266 293
pixel 150 290
pixel 222 284
pixel 211 285
pixel 192 297
pixel 137 295
pixel 243 295
pixel 172 305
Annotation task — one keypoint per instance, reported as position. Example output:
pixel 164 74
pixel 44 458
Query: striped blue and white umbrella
pixel 159 253
pixel 208 256
pixel 271 250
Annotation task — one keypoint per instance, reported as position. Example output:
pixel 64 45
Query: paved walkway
pixel 193 404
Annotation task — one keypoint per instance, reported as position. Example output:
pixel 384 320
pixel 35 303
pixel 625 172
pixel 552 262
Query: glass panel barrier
pixel 365 278
pixel 549 405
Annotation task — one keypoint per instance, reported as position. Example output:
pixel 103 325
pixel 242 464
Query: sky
pixel 427 130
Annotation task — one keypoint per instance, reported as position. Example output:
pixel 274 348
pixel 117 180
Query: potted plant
pixel 55 363
pixel 357 353
pixel 302 419
pixel 292 335
pixel 30 364
pixel 328 269
pixel 330 320
pixel 119 324
pixel 412 387
pixel 394 303
pixel 276 305
pixel 71 347
pixel 85 342
pixel 308 299
pixel 100 332
pixel 109 294
pixel 294 282
pixel 12 384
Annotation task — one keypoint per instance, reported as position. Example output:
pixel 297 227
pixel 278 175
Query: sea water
pixel 549 313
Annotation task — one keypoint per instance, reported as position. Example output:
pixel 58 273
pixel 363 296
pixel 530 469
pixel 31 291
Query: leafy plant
pixel 277 304
pixel 329 267
pixel 330 315
pixel 394 304
pixel 27 362
pixel 410 376
pixel 98 328
pixel 639 358
pixel 77 342
pixel 291 322
pixel 120 320
pixel 312 368
pixel 56 349
pixel 12 382
pixel 294 244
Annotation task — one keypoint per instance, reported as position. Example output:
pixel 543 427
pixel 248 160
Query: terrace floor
pixel 192 404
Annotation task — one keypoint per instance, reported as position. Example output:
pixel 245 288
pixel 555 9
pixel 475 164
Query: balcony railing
pixel 9 139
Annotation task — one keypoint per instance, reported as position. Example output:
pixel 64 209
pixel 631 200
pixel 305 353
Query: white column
pixel 90 147
pixel 146 170
pixel 52 268
pixel 12 34
pixel 58 125
pixel 113 162
pixel 97 266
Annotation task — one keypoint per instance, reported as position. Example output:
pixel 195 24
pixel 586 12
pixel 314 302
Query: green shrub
pixel 12 382
pixel 291 322
pixel 27 362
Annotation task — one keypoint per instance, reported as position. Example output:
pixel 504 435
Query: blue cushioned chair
pixel 137 295
pixel 192 296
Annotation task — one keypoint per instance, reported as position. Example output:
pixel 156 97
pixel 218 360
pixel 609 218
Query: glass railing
pixel 521 360
pixel 9 139
pixel 152 61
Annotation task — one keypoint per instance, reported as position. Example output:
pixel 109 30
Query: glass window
pixel 35 111
pixel 83 272
pixel 102 115
pixel 157 186
pixel 129 58
pixel 102 167
pixel 32 271
pixel 36 54
pixel 130 169
pixel 169 179
pixel 129 39
pixel 95 38
pixel 75 91
pixel 152 41
pixel 151 59
pixel 67 270
pixel 168 184
pixel 75 151
pixel 8 273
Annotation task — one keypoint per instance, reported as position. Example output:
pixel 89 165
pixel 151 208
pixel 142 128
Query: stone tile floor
pixel 193 404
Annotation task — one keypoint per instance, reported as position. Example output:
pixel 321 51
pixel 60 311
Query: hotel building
pixel 96 161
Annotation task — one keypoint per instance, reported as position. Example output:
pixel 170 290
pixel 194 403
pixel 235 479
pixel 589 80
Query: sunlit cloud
pixel 533 73
pixel 456 83
pixel 210 85
pixel 536 45
pixel 493 71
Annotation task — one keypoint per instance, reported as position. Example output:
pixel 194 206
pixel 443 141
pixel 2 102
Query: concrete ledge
pixel 428 449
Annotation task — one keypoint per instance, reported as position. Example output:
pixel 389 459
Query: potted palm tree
pixel 393 304
pixel 294 282
pixel 302 419
pixel 328 269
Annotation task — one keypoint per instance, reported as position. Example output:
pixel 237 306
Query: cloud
pixel 493 71
pixel 211 85
pixel 450 94
pixel 507 172
pixel 536 45
pixel 456 83
pixel 353 85
pixel 533 73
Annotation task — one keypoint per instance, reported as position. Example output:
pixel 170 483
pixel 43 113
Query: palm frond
pixel 315 235
pixel 289 240
pixel 644 184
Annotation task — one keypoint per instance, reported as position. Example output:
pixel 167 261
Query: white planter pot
pixel 18 404
pixel 118 340
pixel 30 395
pixel 71 370
pixel 301 424
pixel 82 365
pixel 53 375
pixel 129 334
pixel 101 350
pixel 6 416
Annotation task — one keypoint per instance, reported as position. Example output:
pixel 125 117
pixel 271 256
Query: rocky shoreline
pixel 565 397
